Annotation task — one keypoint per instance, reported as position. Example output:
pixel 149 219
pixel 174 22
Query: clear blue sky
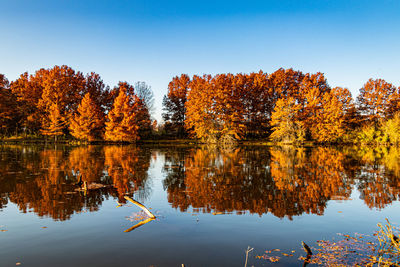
pixel 152 41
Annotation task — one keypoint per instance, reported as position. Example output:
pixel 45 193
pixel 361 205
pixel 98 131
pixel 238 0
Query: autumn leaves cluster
pixel 285 105
pixel 61 101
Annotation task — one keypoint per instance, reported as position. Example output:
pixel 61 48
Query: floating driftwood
pixel 139 224
pixel 140 205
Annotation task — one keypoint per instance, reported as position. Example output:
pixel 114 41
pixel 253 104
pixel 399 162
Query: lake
pixel 210 203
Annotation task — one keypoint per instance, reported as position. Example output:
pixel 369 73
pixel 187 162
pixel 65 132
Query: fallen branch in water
pixel 248 250
pixel 151 215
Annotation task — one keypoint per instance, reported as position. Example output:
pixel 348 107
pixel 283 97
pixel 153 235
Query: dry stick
pixel 247 254
pixel 151 215
pixel 138 225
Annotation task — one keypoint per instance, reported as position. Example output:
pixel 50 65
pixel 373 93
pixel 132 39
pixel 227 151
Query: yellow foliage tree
pixel 88 122
pixel 391 129
pixel 285 123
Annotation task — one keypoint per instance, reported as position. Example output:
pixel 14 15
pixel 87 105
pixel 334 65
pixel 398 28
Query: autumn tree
pixel 54 122
pixel 285 121
pixel 377 100
pixel 88 122
pixel 122 122
pixel 284 83
pixel 9 111
pixel 391 129
pixel 257 101
pixel 228 108
pixel 330 119
pixel 62 85
pixel 28 89
pixel 99 92
pixel 174 104
pixel 214 110
pixel 36 93
pixel 311 91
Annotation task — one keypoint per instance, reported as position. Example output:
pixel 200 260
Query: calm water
pixel 211 204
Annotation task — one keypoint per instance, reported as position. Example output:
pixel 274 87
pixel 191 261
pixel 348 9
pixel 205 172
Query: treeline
pixel 284 106
pixel 63 102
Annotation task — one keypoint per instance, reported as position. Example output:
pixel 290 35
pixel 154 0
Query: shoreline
pixel 189 142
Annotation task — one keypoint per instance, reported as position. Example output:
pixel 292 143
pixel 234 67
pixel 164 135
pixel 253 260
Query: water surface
pixel 210 203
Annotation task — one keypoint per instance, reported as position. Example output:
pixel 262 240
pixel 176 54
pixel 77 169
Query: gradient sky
pixel 152 41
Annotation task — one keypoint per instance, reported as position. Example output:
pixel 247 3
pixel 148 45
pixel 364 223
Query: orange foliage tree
pixel 99 92
pixel 54 123
pixel 214 109
pixel 295 114
pixel 200 118
pixel 9 110
pixel 330 120
pixel 61 85
pixel 88 122
pixel 257 100
pixel 29 89
pixel 377 100
pixel 174 105
pixel 122 124
pixel 36 93
pixel 311 91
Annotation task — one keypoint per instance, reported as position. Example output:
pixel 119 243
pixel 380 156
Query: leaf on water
pixel 274 258
pixel 287 255
pixel 43 227
pixel 340 211
pixel 217 213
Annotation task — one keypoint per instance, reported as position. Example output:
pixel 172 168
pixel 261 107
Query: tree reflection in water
pixel 45 181
pixel 283 181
